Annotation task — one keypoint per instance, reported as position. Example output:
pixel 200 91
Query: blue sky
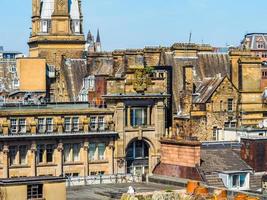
pixel 138 23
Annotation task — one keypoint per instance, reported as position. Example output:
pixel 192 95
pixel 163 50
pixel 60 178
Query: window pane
pixel 101 124
pixel 41 125
pixel 49 125
pixel 138 116
pixel 67 153
pixel 93 123
pixel 75 121
pixel 230 105
pixel 22 125
pixel 101 151
pixel 92 150
pixel 138 149
pixel 13 126
pixel 49 152
pixel 242 180
pixel 235 180
pixel 12 155
pixel 22 154
pixel 67 124
pixel 76 152
pixel 40 153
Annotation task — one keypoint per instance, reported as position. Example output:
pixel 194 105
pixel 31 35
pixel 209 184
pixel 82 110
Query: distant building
pixel 257 43
pixel 93 45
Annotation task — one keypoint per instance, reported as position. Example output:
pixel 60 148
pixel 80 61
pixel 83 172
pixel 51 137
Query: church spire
pixel 98 37
pixel 98 46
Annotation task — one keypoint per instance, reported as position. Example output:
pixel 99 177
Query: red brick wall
pixel 254 153
pixel 185 154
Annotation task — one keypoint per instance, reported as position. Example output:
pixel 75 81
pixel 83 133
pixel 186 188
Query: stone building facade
pixel 213 106
pixel 82 140
pixel 56 140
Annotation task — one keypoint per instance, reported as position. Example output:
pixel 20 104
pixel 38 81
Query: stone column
pixel 129 116
pixel 86 125
pixel 111 156
pixel 59 159
pixel 32 159
pixel 33 128
pixel 85 157
pixel 148 116
pixel 5 127
pixel 60 126
pixel 160 120
pixel 120 144
pixel 5 162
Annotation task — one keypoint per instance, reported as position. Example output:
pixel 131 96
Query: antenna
pixel 190 37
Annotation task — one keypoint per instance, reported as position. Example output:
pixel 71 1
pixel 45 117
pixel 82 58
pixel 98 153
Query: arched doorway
pixel 137 157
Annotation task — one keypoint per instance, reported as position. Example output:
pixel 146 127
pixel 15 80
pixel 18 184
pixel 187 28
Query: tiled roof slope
pixel 221 160
pixel 214 180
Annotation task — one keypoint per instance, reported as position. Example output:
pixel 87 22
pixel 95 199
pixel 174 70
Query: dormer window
pixel 260 45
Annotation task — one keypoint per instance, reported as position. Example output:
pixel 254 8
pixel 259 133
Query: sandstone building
pixel 57 32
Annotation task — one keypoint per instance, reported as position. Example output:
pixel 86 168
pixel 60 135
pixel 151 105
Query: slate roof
pixel 221 160
pixel 74 70
pixel 255 181
pixel 214 180
pixel 206 89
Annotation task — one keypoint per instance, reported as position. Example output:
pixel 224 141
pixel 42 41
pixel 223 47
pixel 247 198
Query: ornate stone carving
pixel 141 80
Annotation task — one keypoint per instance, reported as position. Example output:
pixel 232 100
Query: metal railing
pixel 103 179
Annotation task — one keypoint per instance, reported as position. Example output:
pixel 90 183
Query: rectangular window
pixel 138 149
pixel 214 134
pixel 13 126
pixel 40 153
pixel 138 116
pixel 75 123
pixel 76 152
pixel 35 191
pixel 92 150
pixel 12 155
pixel 44 26
pixel 41 125
pixel 230 104
pixel 49 153
pixel 22 154
pixel 22 125
pixel 49 125
pixel 238 180
pixel 101 124
pixel 101 151
pixel 93 123
pixel 67 124
pixel 67 156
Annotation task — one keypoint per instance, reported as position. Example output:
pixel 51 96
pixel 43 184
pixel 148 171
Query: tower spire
pixel 98 45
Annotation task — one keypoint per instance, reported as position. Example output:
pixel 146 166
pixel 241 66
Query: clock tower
pixel 57 32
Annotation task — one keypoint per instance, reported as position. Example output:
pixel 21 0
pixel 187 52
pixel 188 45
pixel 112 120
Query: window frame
pixel 230 104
